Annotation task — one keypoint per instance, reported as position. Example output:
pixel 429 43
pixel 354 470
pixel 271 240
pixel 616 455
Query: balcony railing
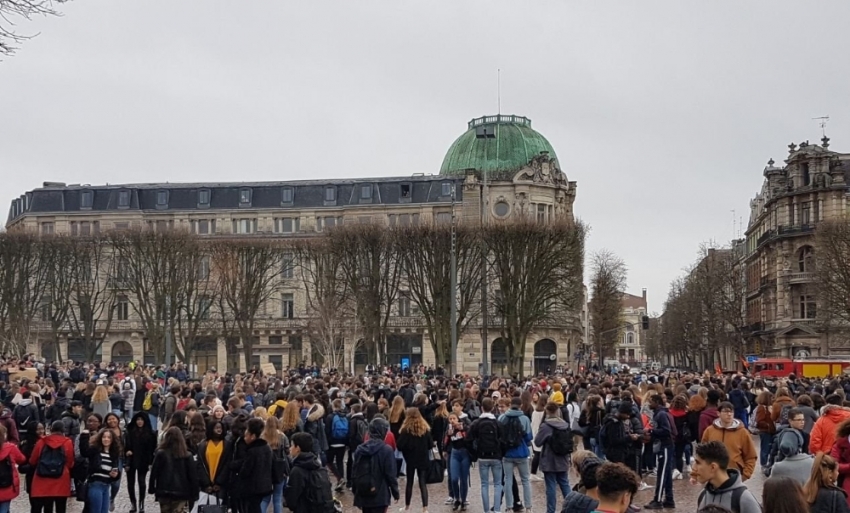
pixel 796 229
pixel 801 277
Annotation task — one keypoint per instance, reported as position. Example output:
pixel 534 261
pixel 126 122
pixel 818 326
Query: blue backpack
pixel 339 427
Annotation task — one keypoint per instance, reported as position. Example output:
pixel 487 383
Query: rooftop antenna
pixel 734 224
pixel 499 90
pixel 822 122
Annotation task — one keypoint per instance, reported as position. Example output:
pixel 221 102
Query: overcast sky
pixel 665 113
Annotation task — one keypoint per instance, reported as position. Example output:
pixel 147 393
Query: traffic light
pixel 644 322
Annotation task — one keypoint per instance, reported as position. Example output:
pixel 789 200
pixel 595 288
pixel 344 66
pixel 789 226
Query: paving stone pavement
pixel 684 493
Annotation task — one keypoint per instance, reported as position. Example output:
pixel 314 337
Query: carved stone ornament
pixel 542 169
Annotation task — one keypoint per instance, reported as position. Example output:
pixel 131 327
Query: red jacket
pixel 11 451
pixel 823 432
pixel 841 452
pixel 47 486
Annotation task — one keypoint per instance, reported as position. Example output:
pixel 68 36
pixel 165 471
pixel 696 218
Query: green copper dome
pixel 512 136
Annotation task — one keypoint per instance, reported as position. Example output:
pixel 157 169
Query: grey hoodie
pixel 722 496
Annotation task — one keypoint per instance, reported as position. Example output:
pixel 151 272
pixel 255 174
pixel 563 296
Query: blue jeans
pixel 460 474
pixel 153 420
pixel 597 449
pixel 276 499
pixel 664 481
pixel 98 498
pixel 765 441
pixel 524 473
pixel 493 467
pixel 4 506
pixel 553 481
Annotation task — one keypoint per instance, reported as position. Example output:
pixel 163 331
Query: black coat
pixel 141 441
pixel 220 473
pixel 173 478
pixel 304 466
pixel 385 465
pixel 254 470
pixel 830 500
pixel 415 449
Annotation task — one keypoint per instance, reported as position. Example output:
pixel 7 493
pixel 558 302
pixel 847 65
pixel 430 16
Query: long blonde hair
pixel 271 433
pixel 820 478
pixel 291 416
pixel 413 423
pixel 101 394
pixel 397 409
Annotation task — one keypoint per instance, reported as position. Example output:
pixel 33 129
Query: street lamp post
pixel 453 287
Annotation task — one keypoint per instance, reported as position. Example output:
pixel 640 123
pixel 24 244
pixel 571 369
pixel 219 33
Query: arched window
pixel 499 357
pixel 630 338
pixel 122 352
pixel 806 259
pixel 543 352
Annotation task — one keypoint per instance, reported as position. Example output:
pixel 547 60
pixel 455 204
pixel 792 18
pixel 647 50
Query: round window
pixel 501 209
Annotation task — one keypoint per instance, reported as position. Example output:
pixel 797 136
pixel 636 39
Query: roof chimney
pixel 644 294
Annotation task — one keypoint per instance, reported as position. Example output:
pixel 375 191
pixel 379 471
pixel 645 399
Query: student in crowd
pixel 52 460
pixel 485 435
pixel 103 454
pixel 12 458
pixel 516 436
pixel 254 469
pixel 662 445
pixel 783 495
pixel 820 491
pixel 415 443
pixel 737 439
pixel 174 476
pixel 375 474
pixel 556 441
pixel 309 488
pixel 616 485
pixel 723 486
pixel 794 463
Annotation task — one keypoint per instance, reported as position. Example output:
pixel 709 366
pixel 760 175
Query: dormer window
pixel 244 197
pixel 366 192
pixel 86 199
pixel 203 198
pixel 330 193
pixel 405 190
pixel 446 189
pixel 804 170
pixel 123 199
pixel 287 195
pixel 162 199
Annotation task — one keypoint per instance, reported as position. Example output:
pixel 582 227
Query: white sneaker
pixel 449 500
pixel 643 486
pixel 535 477
pixel 677 474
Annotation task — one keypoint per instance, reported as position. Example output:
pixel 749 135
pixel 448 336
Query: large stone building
pixel 631 348
pixel 781 299
pixel 499 168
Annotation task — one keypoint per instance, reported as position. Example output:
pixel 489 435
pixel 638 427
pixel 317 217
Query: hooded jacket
pixel 739 443
pixel 706 418
pixel 841 452
pixel 173 478
pixel 723 495
pixel 823 433
pixel 314 424
pixel 303 467
pixel 828 498
pixel 11 428
pixel 549 461
pixel 71 421
pixel 141 441
pixel 279 404
pixel 52 486
pixel 522 450
pixel 383 461
pixel 576 502
pixel 255 470
pixel 11 451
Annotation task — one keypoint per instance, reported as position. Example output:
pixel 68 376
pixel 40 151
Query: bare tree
pixel 247 274
pixel 372 272
pixel 59 288
pixel 197 296
pixel 425 253
pixel 607 285
pixel 330 303
pixel 14 10
pixel 832 270
pixel 538 269
pixel 93 299
pixel 152 269
pixel 23 278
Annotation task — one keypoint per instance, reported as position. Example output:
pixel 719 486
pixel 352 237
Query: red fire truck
pixel 808 367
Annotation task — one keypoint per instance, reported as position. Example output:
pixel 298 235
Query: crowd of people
pixel 251 443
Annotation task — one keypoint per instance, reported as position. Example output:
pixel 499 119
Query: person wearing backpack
pixel 26 415
pixel 722 487
pixel 556 440
pixel 277 408
pixel 337 427
pixel 516 435
pixel 485 436
pixel 309 488
pixel 374 471
pixel 358 428
pixel 280 447
pixel 254 468
pixel 52 459
pixel 10 480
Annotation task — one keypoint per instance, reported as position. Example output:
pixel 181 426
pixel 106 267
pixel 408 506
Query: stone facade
pixel 781 299
pixel 539 189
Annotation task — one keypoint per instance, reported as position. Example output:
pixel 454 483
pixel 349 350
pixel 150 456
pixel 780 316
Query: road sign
pixel 752 359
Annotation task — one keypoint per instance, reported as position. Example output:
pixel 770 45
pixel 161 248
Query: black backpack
pixel 51 462
pixel 366 477
pixel 6 473
pixel 512 433
pixel 561 442
pixel 278 412
pixel 319 495
pixel 487 444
